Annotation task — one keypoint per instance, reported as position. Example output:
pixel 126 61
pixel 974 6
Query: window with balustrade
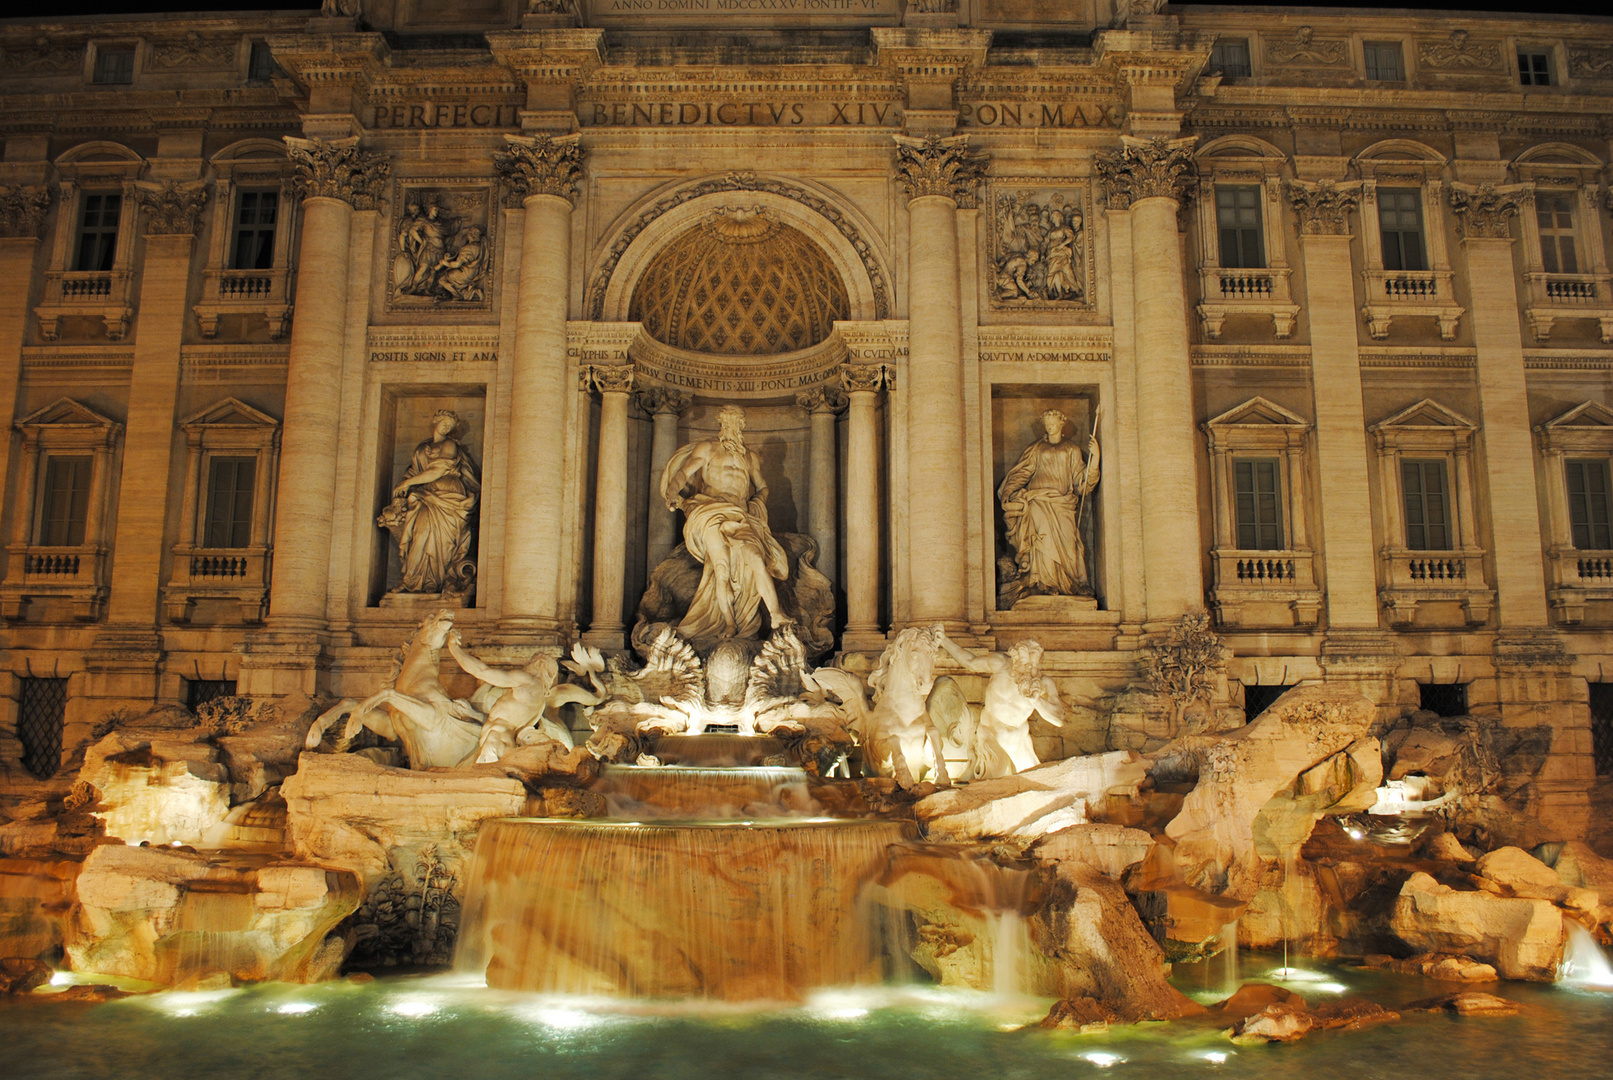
pixel 1577 482
pixel 1243 261
pixel 1264 568
pixel 1566 273
pixel 1431 563
pixel 89 278
pixel 222 560
pixel 56 560
pixel 97 247
pixel 246 284
pixel 1407 272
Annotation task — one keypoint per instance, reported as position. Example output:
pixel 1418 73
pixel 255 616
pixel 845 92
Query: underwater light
pixel 1103 1060
pixel 296 1008
pixel 567 1019
pixel 413 1009
pixel 1355 833
pixel 61 978
pixel 1215 1057
pixel 845 1014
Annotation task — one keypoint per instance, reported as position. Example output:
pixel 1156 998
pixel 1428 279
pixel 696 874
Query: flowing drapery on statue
pixel 718 485
pixel 430 513
pixel 1042 497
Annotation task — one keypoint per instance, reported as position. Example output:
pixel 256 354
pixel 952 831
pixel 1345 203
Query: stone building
pixel 1333 288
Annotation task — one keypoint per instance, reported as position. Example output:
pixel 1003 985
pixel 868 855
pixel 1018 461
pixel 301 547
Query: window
pixel 1237 217
pixel 1258 504
pixel 1428 513
pixel 1230 56
pixel 199 692
pixel 1259 697
pixel 1384 61
pixel 1400 222
pixel 41 709
pixel 252 247
pixel 1446 699
pixel 1588 505
pixel 98 231
pixel 1534 68
pixel 65 501
pixel 1602 727
pixel 1555 215
pixel 261 67
pixel 114 66
pixel 230 485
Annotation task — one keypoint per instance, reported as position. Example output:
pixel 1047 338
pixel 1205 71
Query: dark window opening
pixel 1446 699
pixel 1555 216
pixel 1261 696
pixel 261 67
pixel 1400 224
pixel 229 502
pixel 1259 504
pixel 66 502
pixel 1237 218
pixel 1384 61
pixel 1428 511
pixel 199 692
pixel 114 67
pixel 1534 68
pixel 1588 503
pixel 253 246
pixel 1230 56
pixel 41 711
pixel 1602 727
pixel 98 231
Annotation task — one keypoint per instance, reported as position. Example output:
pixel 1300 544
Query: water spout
pixel 1584 962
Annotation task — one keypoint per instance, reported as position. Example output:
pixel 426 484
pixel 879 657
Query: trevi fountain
pixel 767 627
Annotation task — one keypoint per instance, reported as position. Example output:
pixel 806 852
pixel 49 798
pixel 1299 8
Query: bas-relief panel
pixel 1041 248
pixel 440 259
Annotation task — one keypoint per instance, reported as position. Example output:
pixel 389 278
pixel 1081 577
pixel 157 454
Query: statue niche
pixel 732 578
pixel 1044 498
pixel 431 512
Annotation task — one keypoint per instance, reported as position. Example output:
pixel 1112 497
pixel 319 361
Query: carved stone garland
pixel 1323 207
pixel 337 169
pixel 173 209
pixel 938 166
pixel 1147 169
pixel 540 165
pixel 1483 211
pixel 22 211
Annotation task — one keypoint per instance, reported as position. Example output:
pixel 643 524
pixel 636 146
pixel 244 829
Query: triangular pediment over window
pixel 1427 413
pixel 1589 414
pixel 230 412
pixel 1258 411
pixel 65 412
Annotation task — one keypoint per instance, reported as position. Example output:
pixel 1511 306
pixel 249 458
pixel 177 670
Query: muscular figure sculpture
pixel 1041 498
pixel 530 690
pixel 1001 744
pixel 718 485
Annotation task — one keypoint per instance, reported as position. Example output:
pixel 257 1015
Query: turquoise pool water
pixel 402 1027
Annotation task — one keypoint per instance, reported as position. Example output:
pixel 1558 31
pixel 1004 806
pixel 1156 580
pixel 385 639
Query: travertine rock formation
pixel 1521 938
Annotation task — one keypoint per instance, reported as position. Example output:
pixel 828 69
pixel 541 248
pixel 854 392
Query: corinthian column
pixel 664 406
pixel 22 219
pixel 172 211
pixel 862 383
pixel 821 404
pixel 936 173
pixel 543 175
pixel 333 179
pixel 610 505
pixel 1149 177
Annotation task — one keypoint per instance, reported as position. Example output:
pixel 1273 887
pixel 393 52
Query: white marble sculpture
pixel 718 485
pixel 1000 744
pixel 519 698
pixel 1042 498
pixel 903 734
pixel 430 513
pixel 437 731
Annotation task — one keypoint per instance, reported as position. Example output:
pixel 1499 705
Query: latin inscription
pixel 444 114
pixel 430 356
pixel 740 114
pixel 1046 114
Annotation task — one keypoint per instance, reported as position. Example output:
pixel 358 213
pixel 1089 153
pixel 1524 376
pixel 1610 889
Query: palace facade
pixel 1331 289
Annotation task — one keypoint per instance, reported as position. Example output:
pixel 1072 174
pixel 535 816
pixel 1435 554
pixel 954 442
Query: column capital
pixel 662 400
pixel 540 165
pixel 864 378
pixel 1147 169
pixel 1482 211
pixel 827 398
pixel 609 378
pixel 173 209
pixel 22 211
pixel 941 166
pixel 337 169
pixel 1323 207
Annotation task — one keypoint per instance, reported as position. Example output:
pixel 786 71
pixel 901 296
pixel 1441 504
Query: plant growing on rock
pixel 1185 666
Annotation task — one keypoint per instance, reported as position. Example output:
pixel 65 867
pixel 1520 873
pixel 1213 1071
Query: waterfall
pixel 1229 954
pixel 1584 962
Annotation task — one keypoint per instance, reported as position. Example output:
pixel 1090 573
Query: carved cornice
pixel 337 169
pixel 1323 207
pixel 940 166
pixel 172 209
pixel 827 398
pixel 662 400
pixel 610 378
pixel 1482 212
pixel 540 165
pixel 22 211
pixel 864 378
pixel 1147 169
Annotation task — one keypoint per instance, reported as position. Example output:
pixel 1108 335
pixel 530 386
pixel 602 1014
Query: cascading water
pixel 1584 962
pixel 1229 956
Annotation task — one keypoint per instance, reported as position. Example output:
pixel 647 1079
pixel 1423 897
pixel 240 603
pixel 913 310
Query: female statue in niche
pixel 1042 498
pixel 430 512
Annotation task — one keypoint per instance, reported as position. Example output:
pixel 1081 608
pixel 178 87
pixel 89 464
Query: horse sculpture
pixel 437 731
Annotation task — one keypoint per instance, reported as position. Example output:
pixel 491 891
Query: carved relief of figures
pixel 440 249
pixel 1039 245
pixel 1303 48
pixel 1043 499
pixel 430 514
pixel 1458 52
